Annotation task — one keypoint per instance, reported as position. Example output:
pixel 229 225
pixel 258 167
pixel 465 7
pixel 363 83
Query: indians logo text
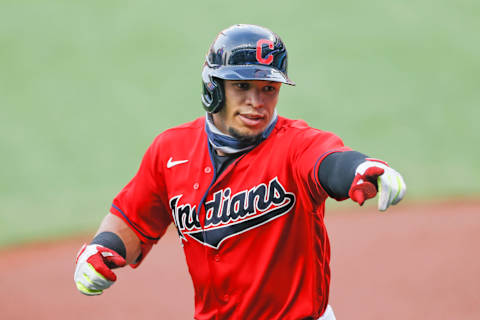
pixel 229 214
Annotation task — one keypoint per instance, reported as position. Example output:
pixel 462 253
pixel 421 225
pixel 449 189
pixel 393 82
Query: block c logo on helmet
pixel 260 44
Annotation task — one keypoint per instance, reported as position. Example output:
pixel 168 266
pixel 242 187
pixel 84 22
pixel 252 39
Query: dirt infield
pixel 414 262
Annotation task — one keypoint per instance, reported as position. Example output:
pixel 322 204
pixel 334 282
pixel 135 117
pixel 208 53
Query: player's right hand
pixel 93 272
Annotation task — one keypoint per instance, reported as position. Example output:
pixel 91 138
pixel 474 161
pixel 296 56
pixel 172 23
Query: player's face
pixel 249 108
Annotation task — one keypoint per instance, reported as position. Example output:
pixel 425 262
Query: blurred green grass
pixel 85 87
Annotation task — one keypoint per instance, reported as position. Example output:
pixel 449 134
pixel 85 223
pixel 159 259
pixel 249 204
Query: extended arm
pixel 352 174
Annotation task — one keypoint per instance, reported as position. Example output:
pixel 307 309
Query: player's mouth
pixel 251 119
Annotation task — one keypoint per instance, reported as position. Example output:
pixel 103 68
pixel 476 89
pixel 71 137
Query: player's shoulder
pixel 287 123
pixel 297 135
pixel 181 133
pixel 294 127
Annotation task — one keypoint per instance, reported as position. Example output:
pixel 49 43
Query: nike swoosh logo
pixel 172 163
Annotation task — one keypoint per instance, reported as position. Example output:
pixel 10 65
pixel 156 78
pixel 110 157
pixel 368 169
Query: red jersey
pixel 254 238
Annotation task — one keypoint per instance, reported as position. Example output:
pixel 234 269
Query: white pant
pixel 328 314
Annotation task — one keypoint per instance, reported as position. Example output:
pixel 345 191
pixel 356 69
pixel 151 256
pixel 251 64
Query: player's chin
pixel 245 134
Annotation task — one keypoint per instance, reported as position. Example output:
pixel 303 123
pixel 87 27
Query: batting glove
pixel 373 173
pixel 93 272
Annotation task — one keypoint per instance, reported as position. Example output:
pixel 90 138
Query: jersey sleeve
pixel 313 146
pixel 141 202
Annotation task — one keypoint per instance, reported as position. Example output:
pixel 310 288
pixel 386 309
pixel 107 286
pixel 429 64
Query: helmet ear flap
pixel 213 95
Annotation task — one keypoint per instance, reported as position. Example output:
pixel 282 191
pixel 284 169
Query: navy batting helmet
pixel 242 52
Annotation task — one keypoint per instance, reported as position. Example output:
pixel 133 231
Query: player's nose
pixel 254 98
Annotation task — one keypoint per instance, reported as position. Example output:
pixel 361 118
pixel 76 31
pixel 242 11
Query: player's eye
pixel 242 85
pixel 269 89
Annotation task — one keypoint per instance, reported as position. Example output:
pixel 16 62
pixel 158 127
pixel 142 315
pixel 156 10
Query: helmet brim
pixel 251 72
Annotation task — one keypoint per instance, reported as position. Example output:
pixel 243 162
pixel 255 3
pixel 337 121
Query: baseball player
pixel 246 191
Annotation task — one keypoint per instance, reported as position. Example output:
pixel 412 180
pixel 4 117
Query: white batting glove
pixel 93 272
pixel 391 186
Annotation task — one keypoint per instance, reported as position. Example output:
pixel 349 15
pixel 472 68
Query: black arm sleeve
pixel 111 241
pixel 336 172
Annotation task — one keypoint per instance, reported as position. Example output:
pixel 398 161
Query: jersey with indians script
pixel 254 236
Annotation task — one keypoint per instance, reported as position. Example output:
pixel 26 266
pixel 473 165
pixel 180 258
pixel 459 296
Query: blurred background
pixel 85 86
